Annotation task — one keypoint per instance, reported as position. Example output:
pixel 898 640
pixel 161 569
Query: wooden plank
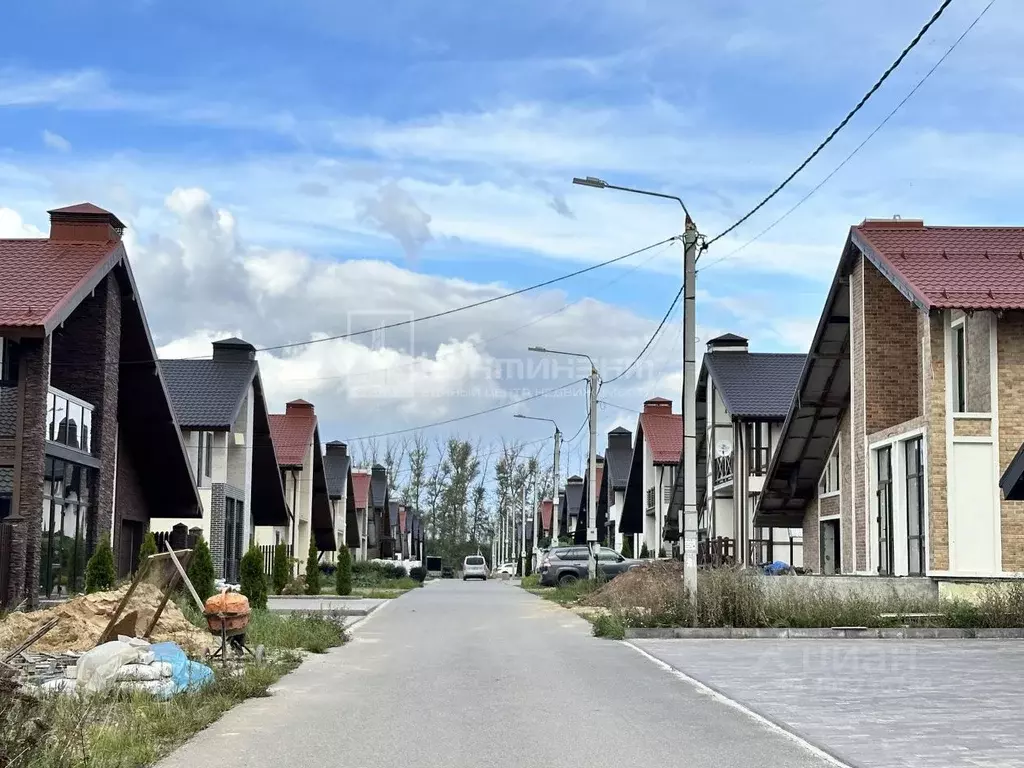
pixel 185 579
pixel 104 638
pixel 168 590
pixel 31 639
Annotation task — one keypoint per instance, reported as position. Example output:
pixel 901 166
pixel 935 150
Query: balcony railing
pixel 68 420
pixel 723 469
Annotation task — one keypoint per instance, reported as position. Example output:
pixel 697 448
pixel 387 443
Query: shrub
pixel 312 569
pixel 627 545
pixel 99 572
pixel 281 571
pixel 254 581
pixel 343 575
pixel 367 573
pixel 328 569
pixel 419 573
pixel 644 552
pixel 661 552
pixel 148 548
pixel 610 626
pixel 296 586
pixel 313 633
pixel 200 570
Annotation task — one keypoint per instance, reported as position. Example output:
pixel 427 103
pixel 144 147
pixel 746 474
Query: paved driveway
pixel 891 703
pixel 471 675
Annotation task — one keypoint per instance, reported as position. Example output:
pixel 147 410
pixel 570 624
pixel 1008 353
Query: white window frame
pixel 898 457
pixel 833 455
pixel 958 327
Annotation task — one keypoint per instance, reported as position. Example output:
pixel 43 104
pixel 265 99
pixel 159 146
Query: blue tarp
pixel 186 674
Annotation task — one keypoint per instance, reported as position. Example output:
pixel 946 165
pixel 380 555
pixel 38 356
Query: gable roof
pixel 378 486
pixel 617 457
pixel 361 488
pixel 947 267
pixel 755 384
pixel 546 507
pixel 573 495
pixel 207 394
pixel 293 432
pixel 663 433
pixel 336 468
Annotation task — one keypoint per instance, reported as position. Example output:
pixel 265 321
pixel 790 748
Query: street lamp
pixel 554 479
pixel 592 495
pixel 689 405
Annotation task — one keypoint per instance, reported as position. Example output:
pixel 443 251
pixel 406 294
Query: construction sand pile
pixel 83 619
pixel 652 586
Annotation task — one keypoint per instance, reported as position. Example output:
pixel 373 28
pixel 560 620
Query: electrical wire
pixel 859 147
pixel 466 416
pixel 849 116
pixel 650 341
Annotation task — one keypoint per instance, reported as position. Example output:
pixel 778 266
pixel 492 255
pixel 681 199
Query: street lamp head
pixel 590 181
pixel 538 349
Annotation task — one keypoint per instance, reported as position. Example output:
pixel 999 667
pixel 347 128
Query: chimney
pixel 84 223
pixel 298 408
pixel 620 438
pixel 658 405
pixel 337 448
pixel 233 350
pixel 894 223
pixel 574 480
pixel 728 342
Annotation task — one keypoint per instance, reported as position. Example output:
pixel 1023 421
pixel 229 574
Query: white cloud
pixel 56 141
pixel 12 226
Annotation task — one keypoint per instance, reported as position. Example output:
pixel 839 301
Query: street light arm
pixel 590 181
pixel 560 352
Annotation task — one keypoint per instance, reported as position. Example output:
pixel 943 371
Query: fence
pixel 716 552
pixel 267 550
pixel 180 537
pixel 770 550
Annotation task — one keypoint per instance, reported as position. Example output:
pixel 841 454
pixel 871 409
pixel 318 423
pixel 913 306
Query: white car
pixel 474 567
pixel 508 569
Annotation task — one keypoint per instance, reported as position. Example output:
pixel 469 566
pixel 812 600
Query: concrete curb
pixel 272 598
pixel 822 633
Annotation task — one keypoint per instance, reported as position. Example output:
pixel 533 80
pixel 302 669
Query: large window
pixel 68 420
pixel 234 511
pixel 204 456
pixel 915 507
pixel 758 448
pixel 6 491
pixel 960 368
pixel 884 495
pixel 67 498
pixel 8 361
pixel 829 482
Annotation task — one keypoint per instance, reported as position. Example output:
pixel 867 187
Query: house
pixel 909 408
pixel 546 510
pixel 583 518
pixel 221 409
pixel 570 511
pixel 652 473
pixel 341 491
pixel 296 438
pixel 361 492
pixel 89 445
pixel 743 399
pixel 617 458
pixel 380 543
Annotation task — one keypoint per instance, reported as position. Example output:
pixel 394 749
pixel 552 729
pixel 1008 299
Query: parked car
pixel 507 569
pixel 564 565
pixel 474 567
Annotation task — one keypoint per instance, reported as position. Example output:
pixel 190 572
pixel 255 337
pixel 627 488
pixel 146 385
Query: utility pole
pixel 592 497
pixel 536 525
pixel 689 406
pixel 556 471
pixel 522 537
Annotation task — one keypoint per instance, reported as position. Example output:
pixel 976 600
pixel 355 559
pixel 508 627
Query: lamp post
pixel 689 404
pixel 592 496
pixel 554 477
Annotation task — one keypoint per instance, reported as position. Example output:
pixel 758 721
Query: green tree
pixel 627 545
pixel 282 570
pixel 254 580
pixel 313 568
pixel 644 552
pixel 99 572
pixel 343 576
pixel 200 570
pixel 148 548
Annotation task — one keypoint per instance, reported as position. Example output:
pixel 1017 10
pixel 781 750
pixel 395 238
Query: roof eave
pixel 85 286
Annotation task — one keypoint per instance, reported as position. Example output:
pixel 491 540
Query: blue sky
pixel 281 165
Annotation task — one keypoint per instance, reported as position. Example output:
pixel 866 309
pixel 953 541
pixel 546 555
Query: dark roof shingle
pixel 756 384
pixel 207 393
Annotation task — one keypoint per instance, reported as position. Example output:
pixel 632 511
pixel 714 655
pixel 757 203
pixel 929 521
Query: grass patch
pixel 125 731
pixel 293 632
pixel 530 582
pixel 570 594
pixel 608 625
pixel 729 598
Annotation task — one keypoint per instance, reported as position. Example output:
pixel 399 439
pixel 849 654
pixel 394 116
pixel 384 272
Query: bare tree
pixel 393 459
pixel 369 450
pixel 419 451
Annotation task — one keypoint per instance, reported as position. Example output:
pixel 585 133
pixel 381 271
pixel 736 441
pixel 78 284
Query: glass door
pixel 915 507
pixel 884 497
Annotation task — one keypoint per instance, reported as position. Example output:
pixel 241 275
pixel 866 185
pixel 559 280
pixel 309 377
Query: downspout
pixel 295 519
pixel 739 492
pixel 660 541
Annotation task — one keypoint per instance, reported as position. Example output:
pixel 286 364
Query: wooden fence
pixel 267 550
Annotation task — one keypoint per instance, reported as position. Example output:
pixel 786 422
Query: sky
pixel 295 171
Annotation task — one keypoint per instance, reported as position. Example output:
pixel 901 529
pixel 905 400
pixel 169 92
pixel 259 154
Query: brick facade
pixel 853 521
pixel 1010 354
pixel 86 353
pixel 935 389
pixel 811 551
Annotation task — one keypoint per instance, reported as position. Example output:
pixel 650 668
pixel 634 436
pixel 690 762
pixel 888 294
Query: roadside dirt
pixel 650 587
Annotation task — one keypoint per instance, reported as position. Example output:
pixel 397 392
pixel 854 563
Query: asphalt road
pixel 484 674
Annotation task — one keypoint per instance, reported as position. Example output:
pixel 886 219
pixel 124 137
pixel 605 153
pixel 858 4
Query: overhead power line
pixel 859 147
pixel 467 416
pixel 650 341
pixel 849 116
pixel 465 307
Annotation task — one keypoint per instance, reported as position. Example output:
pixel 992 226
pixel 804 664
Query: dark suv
pixel 564 565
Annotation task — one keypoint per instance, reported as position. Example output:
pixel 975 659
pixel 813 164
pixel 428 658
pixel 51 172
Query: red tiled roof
pixel 38 277
pixel 361 487
pixel 401 519
pixel 950 267
pixel 292 434
pixel 546 507
pixel 664 433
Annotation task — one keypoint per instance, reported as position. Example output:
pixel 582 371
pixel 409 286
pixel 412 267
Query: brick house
pixel 361 492
pixel 380 544
pixel 612 494
pixel 909 407
pixel 652 473
pixel 570 510
pixel 341 491
pixel 742 400
pixel 579 533
pixel 89 445
pixel 296 437
pixel 222 411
